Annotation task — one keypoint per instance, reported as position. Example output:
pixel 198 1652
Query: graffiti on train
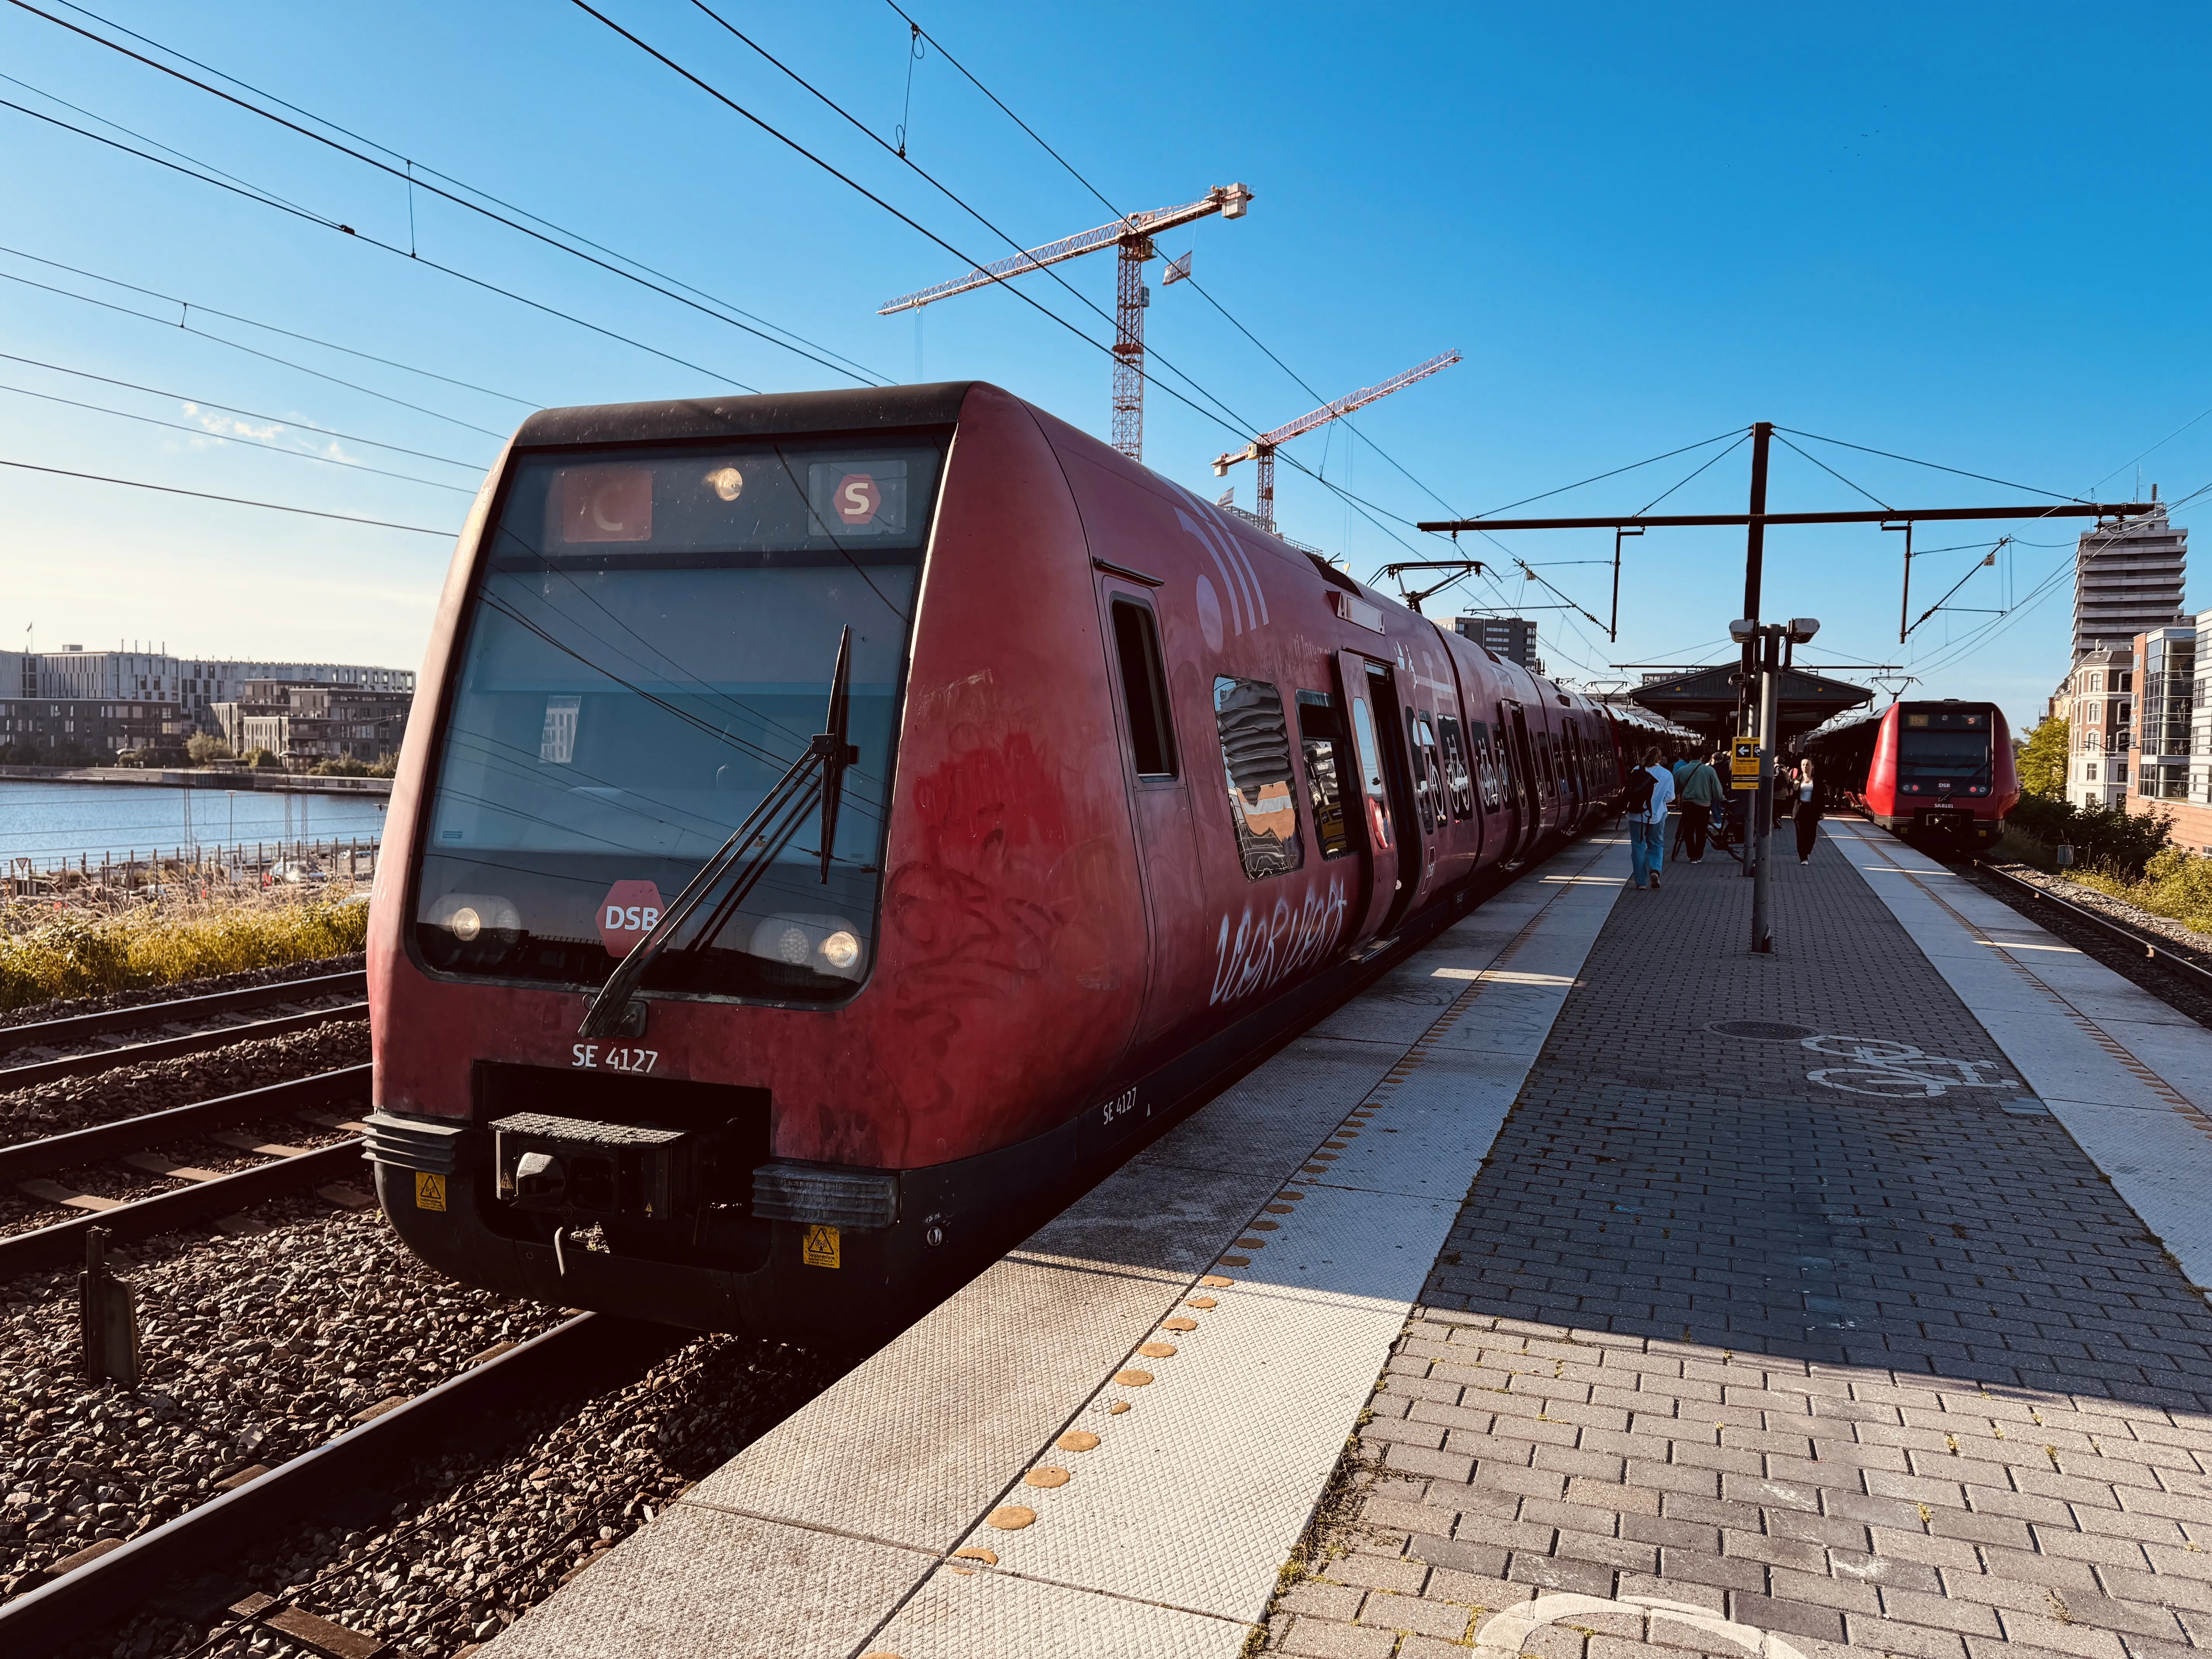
pixel 1268 945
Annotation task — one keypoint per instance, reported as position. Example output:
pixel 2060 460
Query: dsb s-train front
pixel 1942 772
pixel 646 620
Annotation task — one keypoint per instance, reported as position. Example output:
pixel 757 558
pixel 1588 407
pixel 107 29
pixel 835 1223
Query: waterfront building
pixel 2127 580
pixel 1513 638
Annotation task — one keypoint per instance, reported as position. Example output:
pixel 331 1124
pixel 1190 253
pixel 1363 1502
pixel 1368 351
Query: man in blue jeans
pixel 1651 787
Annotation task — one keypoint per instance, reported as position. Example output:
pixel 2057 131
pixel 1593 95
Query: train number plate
pixel 600 1057
pixel 1112 1121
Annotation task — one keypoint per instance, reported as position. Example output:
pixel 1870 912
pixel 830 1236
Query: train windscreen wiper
pixel 817 777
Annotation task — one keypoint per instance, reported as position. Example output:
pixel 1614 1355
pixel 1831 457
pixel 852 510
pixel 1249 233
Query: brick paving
pixel 1871 1373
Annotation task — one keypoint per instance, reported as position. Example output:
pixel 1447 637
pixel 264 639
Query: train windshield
pixel 649 650
pixel 1960 755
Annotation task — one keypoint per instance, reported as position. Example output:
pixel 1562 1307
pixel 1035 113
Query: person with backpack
pixel 1651 787
pixel 1701 794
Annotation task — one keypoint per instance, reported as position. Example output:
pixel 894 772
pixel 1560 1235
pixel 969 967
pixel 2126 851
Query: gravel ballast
pixel 254 1348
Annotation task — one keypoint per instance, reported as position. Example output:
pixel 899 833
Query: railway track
pixel 207 1195
pixel 2151 946
pixel 221 1036
pixel 76 1028
pixel 588 1353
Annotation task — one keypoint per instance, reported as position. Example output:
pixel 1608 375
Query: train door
pixel 1393 727
pixel 1528 791
pixel 1158 763
pixel 1390 837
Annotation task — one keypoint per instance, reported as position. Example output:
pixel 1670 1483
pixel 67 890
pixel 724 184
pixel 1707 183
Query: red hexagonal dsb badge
pixel 627 915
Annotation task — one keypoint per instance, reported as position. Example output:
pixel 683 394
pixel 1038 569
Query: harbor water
pixel 50 824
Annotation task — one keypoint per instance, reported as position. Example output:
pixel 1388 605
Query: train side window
pixel 1371 781
pixel 1256 753
pixel 1322 739
pixel 1458 784
pixel 1143 689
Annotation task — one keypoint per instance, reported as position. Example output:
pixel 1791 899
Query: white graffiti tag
pixel 1882 1065
pixel 1268 947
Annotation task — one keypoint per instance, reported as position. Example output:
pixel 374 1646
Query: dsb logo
pixel 627 915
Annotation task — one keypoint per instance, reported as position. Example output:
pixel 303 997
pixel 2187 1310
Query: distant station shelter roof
pixel 1704 699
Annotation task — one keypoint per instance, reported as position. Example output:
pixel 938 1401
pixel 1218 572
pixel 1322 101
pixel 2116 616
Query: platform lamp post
pixel 1769 649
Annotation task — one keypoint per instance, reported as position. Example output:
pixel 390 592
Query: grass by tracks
pixel 89 943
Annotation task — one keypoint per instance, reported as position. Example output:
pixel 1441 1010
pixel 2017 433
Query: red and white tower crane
pixel 1263 448
pixel 1133 236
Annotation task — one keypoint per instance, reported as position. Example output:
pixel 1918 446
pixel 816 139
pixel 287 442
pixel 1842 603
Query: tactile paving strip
pixel 1164 1538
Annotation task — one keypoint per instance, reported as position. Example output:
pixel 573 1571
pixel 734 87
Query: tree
pixel 205 746
pixel 2043 763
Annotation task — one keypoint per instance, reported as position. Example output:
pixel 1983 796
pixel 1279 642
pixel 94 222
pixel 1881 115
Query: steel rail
pixel 130 1134
pixel 64 1243
pixel 592 1352
pixel 75 1027
pixel 132 1053
pixel 2152 947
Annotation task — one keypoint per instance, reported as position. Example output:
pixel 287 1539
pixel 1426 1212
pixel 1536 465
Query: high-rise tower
pixel 2127 580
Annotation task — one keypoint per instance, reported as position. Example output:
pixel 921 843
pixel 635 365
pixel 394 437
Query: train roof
pixel 891 407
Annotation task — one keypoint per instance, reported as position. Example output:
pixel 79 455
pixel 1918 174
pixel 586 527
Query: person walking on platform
pixel 1651 787
pixel 1697 787
pixel 1785 795
pixel 1808 811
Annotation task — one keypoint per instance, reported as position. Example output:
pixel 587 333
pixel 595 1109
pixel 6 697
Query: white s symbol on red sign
pixel 857 497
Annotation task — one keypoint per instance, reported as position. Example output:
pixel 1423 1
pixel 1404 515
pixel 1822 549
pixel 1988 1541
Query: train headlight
pixel 469 916
pixel 830 946
pixel 727 483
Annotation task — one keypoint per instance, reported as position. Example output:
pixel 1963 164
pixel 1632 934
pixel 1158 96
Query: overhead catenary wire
pixel 408 176
pixel 238 437
pixel 328 223
pixel 236 345
pixel 188 307
pixel 1076 173
pixel 235 501
pixel 1230 421
pixel 415 167
pixel 233 408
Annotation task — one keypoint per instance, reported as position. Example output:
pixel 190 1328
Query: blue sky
pixel 1909 227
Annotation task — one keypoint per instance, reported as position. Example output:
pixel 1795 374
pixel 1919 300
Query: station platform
pixel 1586 1285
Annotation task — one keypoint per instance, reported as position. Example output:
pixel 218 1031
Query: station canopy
pixel 1704 699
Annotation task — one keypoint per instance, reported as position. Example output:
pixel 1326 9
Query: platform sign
pixel 821 1247
pixel 1743 764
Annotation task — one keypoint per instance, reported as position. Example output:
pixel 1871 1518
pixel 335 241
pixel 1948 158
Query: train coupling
pixel 588 1173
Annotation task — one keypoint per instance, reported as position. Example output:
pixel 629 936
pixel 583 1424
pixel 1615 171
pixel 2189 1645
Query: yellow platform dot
pixel 1216 1281
pixel 1251 1243
pixel 1133 1379
pixel 1077 1440
pixel 1013 1518
pixel 1267 1226
pixel 1178 1324
pixel 1202 1301
pixel 1045 1478
pixel 1117 1408
pixel 1279 1209
pixel 1158 1350
pixel 1235 1261
pixel 988 1558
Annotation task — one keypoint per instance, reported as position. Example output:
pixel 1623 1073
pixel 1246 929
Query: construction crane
pixel 1263 448
pixel 1133 236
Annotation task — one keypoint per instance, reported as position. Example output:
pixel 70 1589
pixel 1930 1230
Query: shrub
pixel 2108 839
pixel 205 746
pixel 75 953
pixel 2173 883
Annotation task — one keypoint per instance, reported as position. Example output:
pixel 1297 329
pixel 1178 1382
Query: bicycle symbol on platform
pixel 1881 1066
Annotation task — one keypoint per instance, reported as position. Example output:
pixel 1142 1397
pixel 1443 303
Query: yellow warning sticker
pixel 821 1248
pixel 429 1190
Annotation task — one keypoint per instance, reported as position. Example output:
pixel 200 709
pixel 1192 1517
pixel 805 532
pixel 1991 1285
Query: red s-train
pixel 1940 772
pixel 1123 790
